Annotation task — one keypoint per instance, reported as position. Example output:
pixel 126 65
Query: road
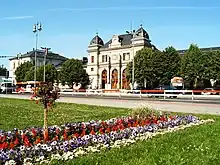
pixel 172 105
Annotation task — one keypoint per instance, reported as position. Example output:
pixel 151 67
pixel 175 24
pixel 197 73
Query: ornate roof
pixel 96 41
pixel 141 33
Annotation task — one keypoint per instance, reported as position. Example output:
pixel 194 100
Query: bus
pixel 26 87
pixel 6 86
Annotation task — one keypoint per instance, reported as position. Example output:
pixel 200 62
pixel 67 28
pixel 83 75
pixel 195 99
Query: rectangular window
pixel 13 65
pixel 92 59
pixel 103 58
pixel 124 55
pixel 128 56
pixel 92 69
pixel 106 58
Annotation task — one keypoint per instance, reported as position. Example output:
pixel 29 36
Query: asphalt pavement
pixel 167 105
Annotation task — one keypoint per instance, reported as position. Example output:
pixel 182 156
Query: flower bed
pixel 74 139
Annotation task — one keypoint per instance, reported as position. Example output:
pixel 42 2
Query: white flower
pixel 10 162
pixel 56 157
pixel 100 139
pixel 27 160
pixel 40 158
pixel 94 140
pixel 22 148
pixel 54 143
pixel 44 146
pixel 44 162
pixel 49 149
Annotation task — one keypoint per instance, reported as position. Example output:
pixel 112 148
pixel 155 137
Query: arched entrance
pixel 114 83
pixel 125 82
pixel 104 78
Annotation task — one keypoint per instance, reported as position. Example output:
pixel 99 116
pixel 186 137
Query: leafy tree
pixel 30 74
pixel 213 66
pixel 144 69
pixel 153 68
pixel 3 71
pixel 51 73
pixel 193 64
pixel 47 94
pixel 72 72
pixel 171 65
pixel 22 70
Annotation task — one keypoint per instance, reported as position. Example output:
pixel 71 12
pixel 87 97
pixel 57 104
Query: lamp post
pixel 132 35
pixel 45 54
pixel 36 29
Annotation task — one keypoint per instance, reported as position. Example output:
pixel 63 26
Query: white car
pixel 209 91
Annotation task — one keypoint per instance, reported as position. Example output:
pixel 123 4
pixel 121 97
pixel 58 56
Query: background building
pixel 51 58
pixel 107 61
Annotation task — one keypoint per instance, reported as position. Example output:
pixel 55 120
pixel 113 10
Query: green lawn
pixel 196 145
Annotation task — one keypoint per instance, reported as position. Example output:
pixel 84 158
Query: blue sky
pixel 69 25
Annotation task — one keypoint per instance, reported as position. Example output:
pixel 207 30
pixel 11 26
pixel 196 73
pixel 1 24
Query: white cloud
pixel 137 8
pixel 16 17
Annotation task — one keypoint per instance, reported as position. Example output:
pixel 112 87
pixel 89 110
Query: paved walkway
pixel 168 106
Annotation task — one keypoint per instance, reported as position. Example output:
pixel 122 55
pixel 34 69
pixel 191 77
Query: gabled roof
pixel 125 39
pixel 202 49
pixel 40 54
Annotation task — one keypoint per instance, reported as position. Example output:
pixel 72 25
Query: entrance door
pixel 114 83
pixel 125 83
pixel 104 78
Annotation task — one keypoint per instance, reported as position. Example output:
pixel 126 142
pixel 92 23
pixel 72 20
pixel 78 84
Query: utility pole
pixel 36 29
pixel 45 54
pixel 132 45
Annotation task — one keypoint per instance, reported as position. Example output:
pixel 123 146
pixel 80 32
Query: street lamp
pixel 45 54
pixel 36 29
pixel 132 35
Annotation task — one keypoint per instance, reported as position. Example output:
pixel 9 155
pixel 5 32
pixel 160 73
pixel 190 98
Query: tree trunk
pixel 46 136
pixel 195 83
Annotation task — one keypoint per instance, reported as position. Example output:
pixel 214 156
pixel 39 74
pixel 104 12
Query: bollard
pixel 164 95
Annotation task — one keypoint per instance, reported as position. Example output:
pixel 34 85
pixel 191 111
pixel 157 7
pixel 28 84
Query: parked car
pixel 209 91
pixel 168 87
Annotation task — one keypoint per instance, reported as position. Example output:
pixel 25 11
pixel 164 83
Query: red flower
pixel 155 121
pixel 36 101
pixel 101 131
pixel 147 122
pixel 12 145
pixel 34 132
pixel 92 132
pixel 65 136
pixel 121 127
pixel 55 138
pixel 76 135
pixel 142 123
pixel 16 142
pixel 38 140
pixel 162 118
pixel 83 132
pixel 108 130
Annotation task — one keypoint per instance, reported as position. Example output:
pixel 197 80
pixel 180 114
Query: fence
pixel 192 94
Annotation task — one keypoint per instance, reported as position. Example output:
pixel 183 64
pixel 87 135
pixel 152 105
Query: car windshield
pixel 209 89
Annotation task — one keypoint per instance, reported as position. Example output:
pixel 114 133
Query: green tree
pixel 153 68
pixel 51 73
pixel 144 69
pixel 3 71
pixel 171 65
pixel 22 70
pixel 212 70
pixel 30 74
pixel 72 72
pixel 193 64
